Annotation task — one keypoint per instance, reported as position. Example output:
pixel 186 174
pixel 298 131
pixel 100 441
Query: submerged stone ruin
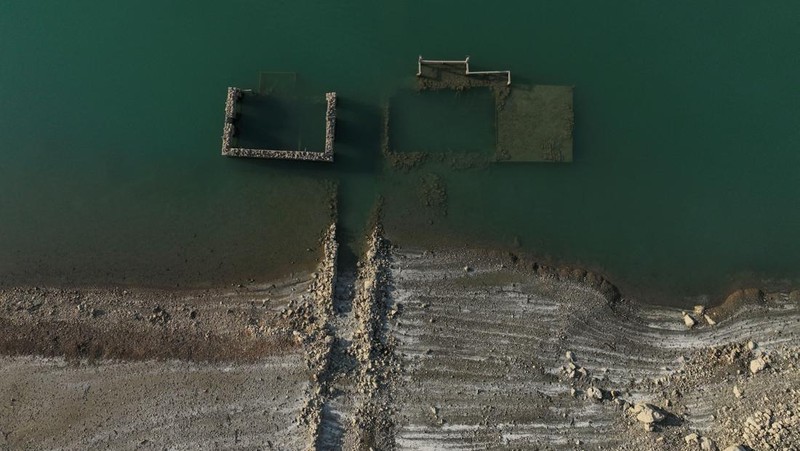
pixel 532 123
pixel 229 132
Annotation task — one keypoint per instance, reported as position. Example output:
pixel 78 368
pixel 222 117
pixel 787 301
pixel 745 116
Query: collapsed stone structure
pixel 229 133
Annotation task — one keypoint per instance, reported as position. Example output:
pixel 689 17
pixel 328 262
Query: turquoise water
pixel 442 121
pixel 685 179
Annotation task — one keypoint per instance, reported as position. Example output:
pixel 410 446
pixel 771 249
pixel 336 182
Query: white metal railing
pixel 465 62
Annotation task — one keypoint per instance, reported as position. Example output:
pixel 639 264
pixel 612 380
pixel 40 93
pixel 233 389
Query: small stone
pixel 467 269
pixel 688 320
pixel 751 345
pixel 706 444
pixel 757 365
pixel 691 438
pixel 594 393
pixel 736 391
pixel 570 356
pixel 709 320
pixel 736 448
pixel 699 310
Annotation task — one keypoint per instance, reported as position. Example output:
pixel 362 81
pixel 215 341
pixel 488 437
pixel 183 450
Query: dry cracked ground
pixel 405 350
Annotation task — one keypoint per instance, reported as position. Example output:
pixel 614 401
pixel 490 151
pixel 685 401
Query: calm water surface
pixel 686 179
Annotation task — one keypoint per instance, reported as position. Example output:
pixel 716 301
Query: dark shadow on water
pixel 358 137
pixel 265 123
pixel 357 164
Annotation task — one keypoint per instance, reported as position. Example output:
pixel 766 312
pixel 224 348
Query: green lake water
pixel 686 172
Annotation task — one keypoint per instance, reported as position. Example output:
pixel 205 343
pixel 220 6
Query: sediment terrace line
pixel 462 390
pixel 229 132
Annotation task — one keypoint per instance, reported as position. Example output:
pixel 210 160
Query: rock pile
pixel 648 414
pixel 774 429
pixel 372 347
pixel 310 323
pixel 704 443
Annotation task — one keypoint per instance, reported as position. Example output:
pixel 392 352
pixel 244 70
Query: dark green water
pixel 685 181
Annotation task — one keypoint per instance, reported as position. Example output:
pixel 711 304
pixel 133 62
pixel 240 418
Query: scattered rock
pixel 688 320
pixel 570 356
pixel 648 414
pixel 594 393
pixel 159 316
pixel 758 364
pixel 691 438
pixel 706 444
pixel 736 391
pixel 699 310
pixel 709 320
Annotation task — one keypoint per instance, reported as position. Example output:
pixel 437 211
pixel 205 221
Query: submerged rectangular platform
pixel 535 124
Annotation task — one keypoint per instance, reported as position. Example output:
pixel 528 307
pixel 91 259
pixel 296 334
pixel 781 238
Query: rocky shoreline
pixel 406 350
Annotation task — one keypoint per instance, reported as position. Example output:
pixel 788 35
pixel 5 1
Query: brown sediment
pixel 735 302
pixel 207 325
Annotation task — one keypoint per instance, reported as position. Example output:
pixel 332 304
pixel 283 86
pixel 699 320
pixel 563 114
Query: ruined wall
pixel 229 131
